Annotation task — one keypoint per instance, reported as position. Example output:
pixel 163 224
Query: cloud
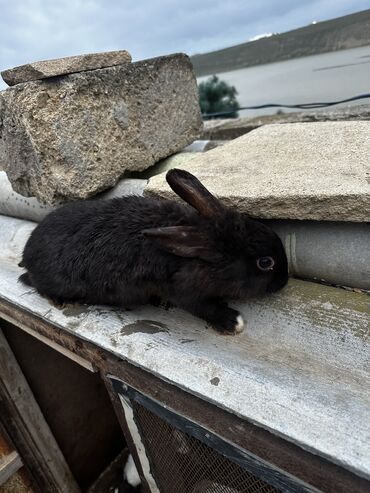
pixel 33 30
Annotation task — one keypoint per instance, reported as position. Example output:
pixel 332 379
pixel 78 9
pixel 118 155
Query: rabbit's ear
pixel 189 188
pixel 183 241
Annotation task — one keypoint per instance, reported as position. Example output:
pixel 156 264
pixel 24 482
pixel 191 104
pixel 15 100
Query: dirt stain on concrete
pixel 144 326
pixel 215 381
pixel 74 310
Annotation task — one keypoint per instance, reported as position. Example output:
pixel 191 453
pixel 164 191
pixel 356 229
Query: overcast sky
pixel 33 30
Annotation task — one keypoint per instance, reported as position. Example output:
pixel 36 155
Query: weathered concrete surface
pixel 62 66
pixel 304 357
pixel 72 137
pixel 315 171
pixel 231 128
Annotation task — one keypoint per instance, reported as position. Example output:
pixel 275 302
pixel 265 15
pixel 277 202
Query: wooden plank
pixel 70 399
pixel 138 442
pixel 68 354
pixel 9 465
pixel 6 446
pixel 116 402
pixel 296 461
pixel 20 482
pixel 24 421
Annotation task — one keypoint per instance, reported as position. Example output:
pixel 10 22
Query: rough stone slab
pixel 72 137
pixel 62 66
pixel 231 128
pixel 317 171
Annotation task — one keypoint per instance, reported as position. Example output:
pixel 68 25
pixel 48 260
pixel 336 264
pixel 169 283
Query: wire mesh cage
pixel 181 463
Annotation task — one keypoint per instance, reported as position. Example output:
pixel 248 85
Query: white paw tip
pixel 239 327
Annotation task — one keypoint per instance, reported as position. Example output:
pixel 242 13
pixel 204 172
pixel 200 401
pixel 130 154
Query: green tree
pixel 216 96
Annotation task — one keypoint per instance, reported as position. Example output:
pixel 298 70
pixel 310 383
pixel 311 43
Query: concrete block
pixel 71 137
pixel 317 171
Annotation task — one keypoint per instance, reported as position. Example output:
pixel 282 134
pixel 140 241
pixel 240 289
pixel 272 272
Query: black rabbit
pixel 132 250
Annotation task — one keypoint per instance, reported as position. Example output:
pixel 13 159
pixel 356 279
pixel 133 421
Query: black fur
pixel 130 250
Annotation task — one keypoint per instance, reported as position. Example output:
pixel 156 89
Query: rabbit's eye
pixel 265 263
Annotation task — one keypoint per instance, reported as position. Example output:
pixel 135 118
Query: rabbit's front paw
pixel 240 324
pixel 218 315
pixel 229 322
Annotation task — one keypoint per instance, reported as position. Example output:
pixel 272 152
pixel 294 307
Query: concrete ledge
pixel 314 171
pixel 236 127
pixel 300 370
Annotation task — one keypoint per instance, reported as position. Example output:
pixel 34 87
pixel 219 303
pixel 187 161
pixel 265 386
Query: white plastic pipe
pixel 335 252
pixel 15 205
